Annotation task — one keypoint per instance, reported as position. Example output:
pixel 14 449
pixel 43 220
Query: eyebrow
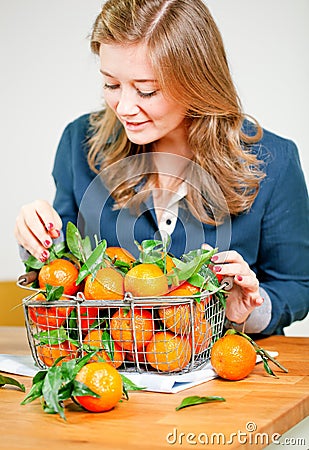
pixel 142 80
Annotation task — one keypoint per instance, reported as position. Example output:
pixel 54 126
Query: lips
pixel 135 125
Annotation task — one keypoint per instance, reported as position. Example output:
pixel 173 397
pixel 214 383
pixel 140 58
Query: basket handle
pixel 227 283
pixel 27 278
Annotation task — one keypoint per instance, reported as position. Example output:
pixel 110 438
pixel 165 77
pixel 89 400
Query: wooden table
pixel 149 420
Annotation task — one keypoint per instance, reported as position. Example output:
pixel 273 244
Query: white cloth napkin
pixel 24 365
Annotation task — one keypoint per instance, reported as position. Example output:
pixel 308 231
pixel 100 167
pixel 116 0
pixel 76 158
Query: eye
pixel 111 86
pixel 147 94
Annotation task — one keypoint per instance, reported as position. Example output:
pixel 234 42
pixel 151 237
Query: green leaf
pixel 33 264
pixel 53 292
pixel 123 266
pixel 52 337
pixel 93 263
pixel 35 392
pixel 59 249
pixel 8 380
pixel 75 242
pixel 128 385
pixel 267 368
pixel 108 344
pixel 51 385
pixel 197 400
pixel 80 389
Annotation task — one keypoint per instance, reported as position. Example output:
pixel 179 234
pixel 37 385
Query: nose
pixel 127 103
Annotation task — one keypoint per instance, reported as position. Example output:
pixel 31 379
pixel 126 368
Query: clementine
pixel 127 327
pixel 146 280
pixel 48 317
pixel 177 317
pixel 59 272
pixel 202 330
pixel 104 380
pixel 95 339
pixel 184 289
pixel 168 352
pixel 120 254
pixel 107 285
pixel 233 357
pixel 48 354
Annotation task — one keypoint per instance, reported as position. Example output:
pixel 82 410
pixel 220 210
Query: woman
pixel 173 153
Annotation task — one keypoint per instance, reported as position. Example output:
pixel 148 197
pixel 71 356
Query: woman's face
pixel 132 92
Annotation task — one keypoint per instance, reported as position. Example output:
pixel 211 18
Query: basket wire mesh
pixel 150 334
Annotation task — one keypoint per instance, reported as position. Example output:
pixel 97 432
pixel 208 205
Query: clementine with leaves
pixel 233 357
pixel 105 381
pixel 146 280
pixel 59 272
pixel 106 285
pixel 109 350
pixel 127 325
pixel 168 352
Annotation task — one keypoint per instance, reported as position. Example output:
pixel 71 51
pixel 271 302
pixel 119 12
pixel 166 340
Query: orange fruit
pixel 119 254
pixel 59 272
pixel 177 317
pixel 233 357
pixel 88 315
pixel 49 353
pixel 146 280
pixel 184 289
pixel 202 330
pixel 104 380
pixel 125 325
pixel 94 339
pixel 49 317
pixel 140 356
pixel 168 352
pixel 107 285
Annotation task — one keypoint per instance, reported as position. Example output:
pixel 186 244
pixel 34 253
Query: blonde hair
pixel 190 64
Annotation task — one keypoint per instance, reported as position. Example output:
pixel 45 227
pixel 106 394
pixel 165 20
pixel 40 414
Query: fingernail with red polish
pixel 44 255
pixel 217 268
pixel 56 233
pixel 50 226
pixel 47 243
pixel 239 277
pixel 214 258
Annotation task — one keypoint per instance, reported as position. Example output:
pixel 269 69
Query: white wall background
pixel 48 77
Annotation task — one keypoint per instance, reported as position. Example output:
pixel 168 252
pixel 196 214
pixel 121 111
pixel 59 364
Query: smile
pixel 135 125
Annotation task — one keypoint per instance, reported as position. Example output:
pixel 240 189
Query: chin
pixel 139 140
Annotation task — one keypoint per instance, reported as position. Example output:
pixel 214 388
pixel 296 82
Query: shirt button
pixel 168 222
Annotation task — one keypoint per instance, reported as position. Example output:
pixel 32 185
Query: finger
pixel 28 241
pixel 230 256
pixel 49 217
pixel 248 282
pixel 230 270
pixel 206 247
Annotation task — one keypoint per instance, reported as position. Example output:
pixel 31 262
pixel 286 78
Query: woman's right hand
pixel 37 224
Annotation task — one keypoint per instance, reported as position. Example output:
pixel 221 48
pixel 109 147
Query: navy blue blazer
pixel 273 237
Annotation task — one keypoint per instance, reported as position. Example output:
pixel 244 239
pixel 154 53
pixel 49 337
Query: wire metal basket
pixel 150 334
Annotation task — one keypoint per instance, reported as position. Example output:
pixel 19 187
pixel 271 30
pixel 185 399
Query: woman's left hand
pixel 245 294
